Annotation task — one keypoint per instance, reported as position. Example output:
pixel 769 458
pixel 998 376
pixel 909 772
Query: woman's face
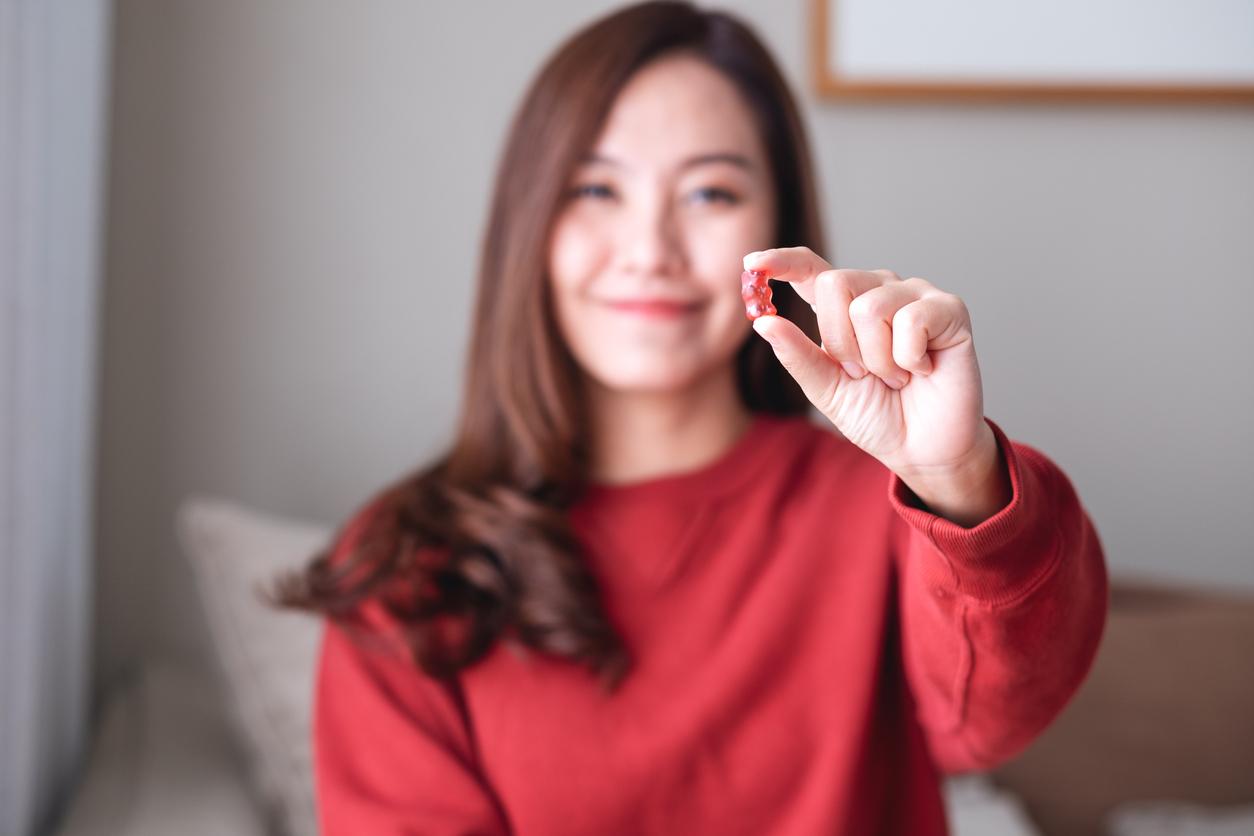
pixel 645 258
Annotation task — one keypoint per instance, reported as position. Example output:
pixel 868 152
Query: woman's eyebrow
pixel 738 160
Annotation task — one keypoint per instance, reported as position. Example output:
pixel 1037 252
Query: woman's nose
pixel 653 243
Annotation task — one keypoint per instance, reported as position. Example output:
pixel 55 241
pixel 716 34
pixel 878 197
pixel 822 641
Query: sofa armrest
pixel 163 761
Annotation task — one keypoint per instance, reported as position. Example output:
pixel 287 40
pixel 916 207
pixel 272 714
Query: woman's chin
pixel 663 379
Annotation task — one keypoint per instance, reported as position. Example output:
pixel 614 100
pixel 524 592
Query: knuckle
pixel 860 308
pixel 888 274
pixel 908 317
pixel 869 306
pixel 833 344
pixel 958 306
pixel 833 283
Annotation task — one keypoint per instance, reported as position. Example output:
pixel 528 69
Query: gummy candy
pixel 756 292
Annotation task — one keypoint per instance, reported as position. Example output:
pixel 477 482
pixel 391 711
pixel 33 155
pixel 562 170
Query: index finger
pixel 796 265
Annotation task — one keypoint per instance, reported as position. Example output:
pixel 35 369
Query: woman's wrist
pixel 972 492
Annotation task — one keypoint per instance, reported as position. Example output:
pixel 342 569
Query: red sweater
pixel 812 649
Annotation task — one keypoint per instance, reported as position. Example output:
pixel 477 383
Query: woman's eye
pixel 713 194
pixel 593 190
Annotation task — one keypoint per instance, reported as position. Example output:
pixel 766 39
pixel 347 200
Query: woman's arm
pixel 392 751
pixel 1000 621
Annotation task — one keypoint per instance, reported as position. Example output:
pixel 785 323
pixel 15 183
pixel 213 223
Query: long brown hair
pixel 477 546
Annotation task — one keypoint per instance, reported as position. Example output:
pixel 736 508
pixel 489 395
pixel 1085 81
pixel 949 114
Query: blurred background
pixel 266 216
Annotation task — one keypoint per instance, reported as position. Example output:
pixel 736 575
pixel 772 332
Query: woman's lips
pixel 657 310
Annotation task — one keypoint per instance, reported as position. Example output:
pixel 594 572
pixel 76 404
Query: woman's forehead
pixel 675 110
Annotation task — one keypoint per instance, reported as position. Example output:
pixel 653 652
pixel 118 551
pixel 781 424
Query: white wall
pixel 293 182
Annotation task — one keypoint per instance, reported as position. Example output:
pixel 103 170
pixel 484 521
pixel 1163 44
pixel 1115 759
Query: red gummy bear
pixel 756 292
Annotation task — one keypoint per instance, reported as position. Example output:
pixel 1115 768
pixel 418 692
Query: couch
pixel 1158 741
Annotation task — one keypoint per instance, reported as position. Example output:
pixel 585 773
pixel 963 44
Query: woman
pixel 648 590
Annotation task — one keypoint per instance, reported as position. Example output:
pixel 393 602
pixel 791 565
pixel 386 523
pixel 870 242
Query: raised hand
pixel 897 375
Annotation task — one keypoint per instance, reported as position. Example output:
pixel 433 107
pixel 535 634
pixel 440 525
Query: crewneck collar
pixel 731 470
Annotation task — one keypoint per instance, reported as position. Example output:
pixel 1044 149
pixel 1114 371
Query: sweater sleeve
pixel 1000 622
pixel 393 752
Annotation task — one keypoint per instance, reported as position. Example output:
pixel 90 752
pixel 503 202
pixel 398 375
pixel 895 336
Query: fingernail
pixel 898 383
pixel 853 369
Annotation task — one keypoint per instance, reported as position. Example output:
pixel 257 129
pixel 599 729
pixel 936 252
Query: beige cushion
pixel 1159 818
pixel 267 656
pixel 1164 714
pixel 975 807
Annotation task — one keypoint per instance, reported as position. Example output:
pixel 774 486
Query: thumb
pixel 811 366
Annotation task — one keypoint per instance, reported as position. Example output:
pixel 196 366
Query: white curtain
pixel 53 97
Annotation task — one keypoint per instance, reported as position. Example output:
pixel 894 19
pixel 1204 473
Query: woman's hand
pixel 896 374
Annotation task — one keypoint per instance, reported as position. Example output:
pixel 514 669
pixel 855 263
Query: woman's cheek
pixel 579 245
pixel 720 257
pixel 726 237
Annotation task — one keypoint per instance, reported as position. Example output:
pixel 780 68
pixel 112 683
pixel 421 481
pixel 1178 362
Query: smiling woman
pixel 643 254
pixel 657 219
pixel 786 635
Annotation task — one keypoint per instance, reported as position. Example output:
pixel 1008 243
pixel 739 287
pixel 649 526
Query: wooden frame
pixel 830 84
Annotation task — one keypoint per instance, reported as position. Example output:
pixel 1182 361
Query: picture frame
pixel 1031 50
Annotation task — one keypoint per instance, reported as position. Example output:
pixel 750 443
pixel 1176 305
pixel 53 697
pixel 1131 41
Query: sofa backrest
pixel 1167 712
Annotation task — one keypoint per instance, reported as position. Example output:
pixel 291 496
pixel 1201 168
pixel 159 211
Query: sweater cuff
pixel 1004 555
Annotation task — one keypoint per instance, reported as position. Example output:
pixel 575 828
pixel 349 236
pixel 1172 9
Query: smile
pixel 656 309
